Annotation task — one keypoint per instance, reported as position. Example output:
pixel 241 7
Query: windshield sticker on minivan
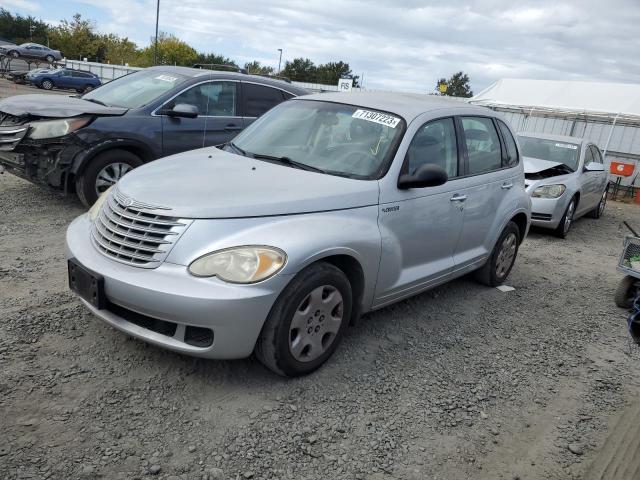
pixel 567 145
pixel 377 117
pixel 166 78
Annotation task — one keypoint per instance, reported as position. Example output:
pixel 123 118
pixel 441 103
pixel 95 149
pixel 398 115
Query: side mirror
pixel 182 110
pixel 594 167
pixel 427 175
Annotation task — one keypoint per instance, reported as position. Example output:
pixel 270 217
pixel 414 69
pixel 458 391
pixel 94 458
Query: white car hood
pixel 211 183
pixel 536 165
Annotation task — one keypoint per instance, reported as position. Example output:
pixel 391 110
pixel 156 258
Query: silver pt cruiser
pixel 328 206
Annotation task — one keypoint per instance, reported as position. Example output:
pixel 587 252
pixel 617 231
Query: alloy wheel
pixel 603 203
pixel 49 58
pixel 316 323
pixel 568 218
pixel 109 175
pixel 47 85
pixel 506 255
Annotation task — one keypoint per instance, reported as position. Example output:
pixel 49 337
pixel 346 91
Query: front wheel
pixel 49 58
pixel 307 321
pixel 14 54
pixel 567 220
pixel 47 84
pixel 502 258
pixel 102 172
pixel 627 291
pixel 599 210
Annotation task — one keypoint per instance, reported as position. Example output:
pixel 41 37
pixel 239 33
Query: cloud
pixel 29 6
pixel 407 44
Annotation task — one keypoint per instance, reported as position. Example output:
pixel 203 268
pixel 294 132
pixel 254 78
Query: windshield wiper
pixel 287 161
pixel 95 101
pixel 240 151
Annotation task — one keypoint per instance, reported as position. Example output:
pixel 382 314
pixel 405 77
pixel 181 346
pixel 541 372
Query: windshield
pixel 135 90
pixel 329 137
pixel 552 150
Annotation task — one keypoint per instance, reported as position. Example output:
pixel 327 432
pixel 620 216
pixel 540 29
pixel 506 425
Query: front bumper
pixel 235 313
pixel 547 212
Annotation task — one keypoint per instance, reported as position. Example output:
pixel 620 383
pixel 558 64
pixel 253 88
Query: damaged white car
pixel 566 179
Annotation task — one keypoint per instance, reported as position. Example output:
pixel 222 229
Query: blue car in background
pixel 78 80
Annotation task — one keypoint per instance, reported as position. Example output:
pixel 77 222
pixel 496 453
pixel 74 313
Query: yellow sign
pixel 442 87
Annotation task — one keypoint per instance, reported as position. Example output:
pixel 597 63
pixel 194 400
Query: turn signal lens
pixel 240 264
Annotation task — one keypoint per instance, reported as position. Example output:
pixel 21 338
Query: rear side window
pixel 483 145
pixel 510 145
pixel 258 99
pixel 434 143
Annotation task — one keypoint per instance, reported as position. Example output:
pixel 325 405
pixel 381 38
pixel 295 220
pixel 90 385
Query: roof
pixel 567 95
pixel 548 136
pixel 407 105
pixel 199 72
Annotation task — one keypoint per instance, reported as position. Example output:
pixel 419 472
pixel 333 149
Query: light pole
pixel 155 42
pixel 280 60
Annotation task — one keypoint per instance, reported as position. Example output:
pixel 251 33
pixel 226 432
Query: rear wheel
pixel 47 84
pixel 14 53
pixel 502 258
pixel 567 220
pixel 628 289
pixel 88 88
pixel 307 321
pixel 102 172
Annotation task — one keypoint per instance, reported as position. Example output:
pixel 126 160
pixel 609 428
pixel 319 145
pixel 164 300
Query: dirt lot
pixel 460 382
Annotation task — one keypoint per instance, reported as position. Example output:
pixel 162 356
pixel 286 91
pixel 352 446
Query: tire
pixel 88 88
pixel 279 338
pixel 628 289
pixel 503 256
pixel 49 58
pixel 567 219
pixel 112 163
pixel 79 90
pixel 47 84
pixel 599 210
pixel 14 53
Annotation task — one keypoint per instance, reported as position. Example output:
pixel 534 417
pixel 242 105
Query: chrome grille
pixel 133 234
pixel 11 136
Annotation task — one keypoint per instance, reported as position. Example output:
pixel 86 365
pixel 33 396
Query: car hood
pixel 211 183
pixel 54 106
pixel 536 165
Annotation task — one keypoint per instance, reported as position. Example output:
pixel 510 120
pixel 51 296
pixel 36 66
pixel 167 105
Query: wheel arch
pixel 520 219
pixel 137 148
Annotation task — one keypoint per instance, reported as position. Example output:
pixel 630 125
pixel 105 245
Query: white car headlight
pixel 549 191
pixel 248 264
pixel 56 128
pixel 95 208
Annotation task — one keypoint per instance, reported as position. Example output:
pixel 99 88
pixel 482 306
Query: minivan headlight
pixel 247 264
pixel 56 128
pixel 95 208
pixel 549 191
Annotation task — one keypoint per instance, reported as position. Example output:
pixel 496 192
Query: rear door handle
pixel 458 198
pixel 232 127
pixel 506 186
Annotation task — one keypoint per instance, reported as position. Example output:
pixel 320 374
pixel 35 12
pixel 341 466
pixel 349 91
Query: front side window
pixel 137 89
pixel 435 143
pixel 258 99
pixel 334 138
pixel 483 144
pixel 510 144
pixel 214 99
pixel 595 152
pixel 566 153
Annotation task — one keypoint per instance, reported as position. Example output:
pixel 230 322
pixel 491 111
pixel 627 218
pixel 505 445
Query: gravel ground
pixel 460 382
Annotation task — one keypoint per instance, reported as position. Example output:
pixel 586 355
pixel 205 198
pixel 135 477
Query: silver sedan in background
pixel 566 179
pixel 32 50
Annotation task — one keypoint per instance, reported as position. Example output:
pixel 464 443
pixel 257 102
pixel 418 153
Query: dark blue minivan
pixel 78 80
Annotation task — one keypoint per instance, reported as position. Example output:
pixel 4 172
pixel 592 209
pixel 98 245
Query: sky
pixel 394 45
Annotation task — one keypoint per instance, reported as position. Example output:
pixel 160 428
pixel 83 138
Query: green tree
pixel 330 73
pixel 257 68
pixel 116 50
pixel 76 39
pixel 19 29
pixel 300 70
pixel 456 86
pixel 171 51
pixel 214 59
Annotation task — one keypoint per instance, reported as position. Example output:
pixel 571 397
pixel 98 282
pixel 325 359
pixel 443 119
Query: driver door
pixel 421 227
pixel 217 121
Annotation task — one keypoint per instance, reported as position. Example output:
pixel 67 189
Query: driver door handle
pixel 458 198
pixel 506 186
pixel 232 126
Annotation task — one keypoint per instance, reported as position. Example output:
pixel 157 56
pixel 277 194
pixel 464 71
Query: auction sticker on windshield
pixel 377 117
pixel 567 145
pixel 166 78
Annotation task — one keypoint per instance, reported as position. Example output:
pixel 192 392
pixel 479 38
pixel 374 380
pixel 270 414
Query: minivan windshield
pixel 552 150
pixel 136 89
pixel 329 137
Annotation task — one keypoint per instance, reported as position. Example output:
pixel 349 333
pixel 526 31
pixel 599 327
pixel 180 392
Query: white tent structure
pixel 606 113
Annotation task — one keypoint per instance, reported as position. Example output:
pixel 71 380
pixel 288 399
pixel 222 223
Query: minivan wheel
pixel 103 171
pixel 503 256
pixel 307 321
pixel 47 84
pixel 567 220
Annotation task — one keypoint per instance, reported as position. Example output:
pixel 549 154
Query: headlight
pixel 240 264
pixel 549 191
pixel 95 208
pixel 56 128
